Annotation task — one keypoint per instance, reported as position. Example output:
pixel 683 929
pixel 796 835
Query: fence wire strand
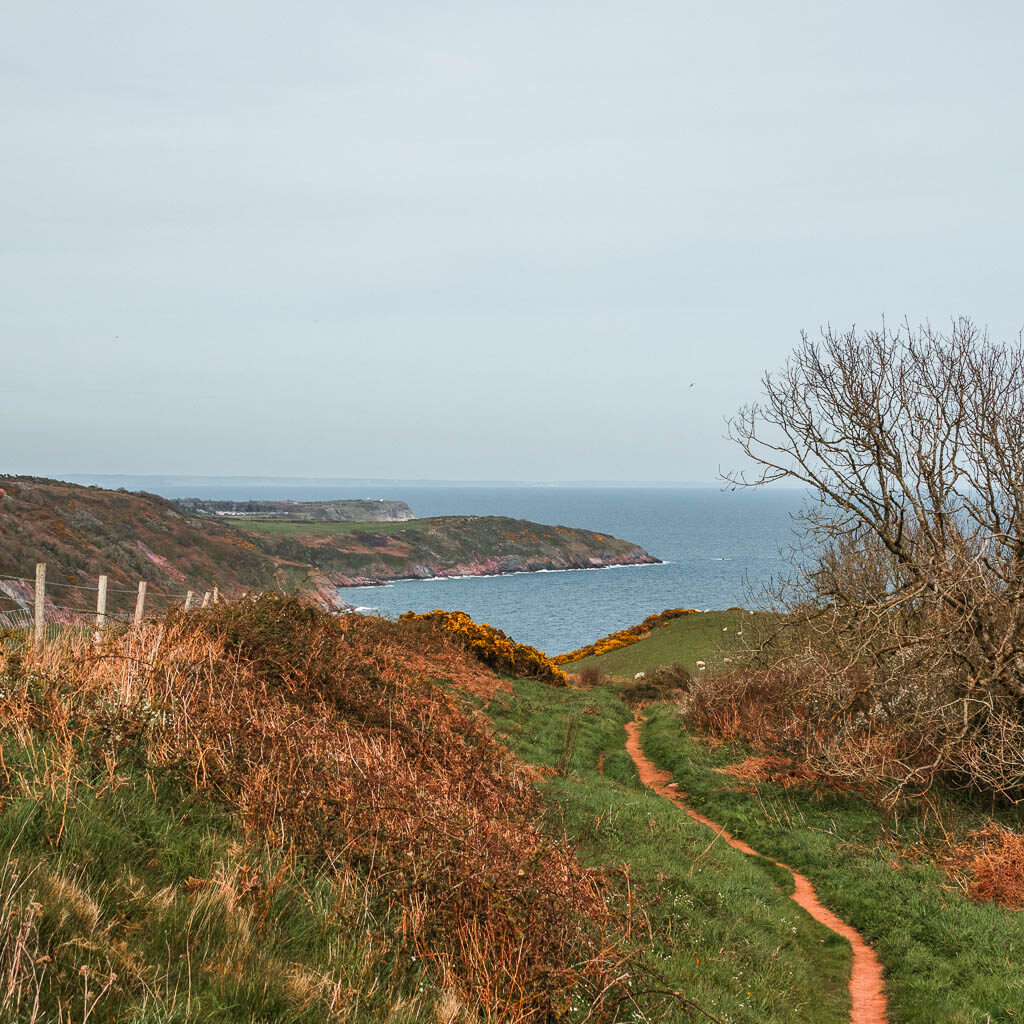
pixel 22 617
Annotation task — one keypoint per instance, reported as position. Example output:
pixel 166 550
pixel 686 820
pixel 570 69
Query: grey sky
pixel 461 240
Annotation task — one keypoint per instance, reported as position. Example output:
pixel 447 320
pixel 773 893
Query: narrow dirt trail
pixel 867 994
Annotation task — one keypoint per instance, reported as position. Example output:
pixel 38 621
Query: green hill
pixel 704 636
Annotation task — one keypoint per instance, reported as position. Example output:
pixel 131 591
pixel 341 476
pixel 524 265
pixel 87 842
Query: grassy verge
pixel 707 637
pixel 723 930
pixel 947 959
pixel 135 901
pixel 260 812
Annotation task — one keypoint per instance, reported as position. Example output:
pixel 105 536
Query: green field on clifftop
pixel 704 636
pixel 300 528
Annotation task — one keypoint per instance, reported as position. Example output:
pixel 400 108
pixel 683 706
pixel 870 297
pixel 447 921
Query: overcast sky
pixel 469 240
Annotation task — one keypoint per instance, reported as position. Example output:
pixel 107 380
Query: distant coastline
pixel 442 547
pixel 495 575
pixel 173 485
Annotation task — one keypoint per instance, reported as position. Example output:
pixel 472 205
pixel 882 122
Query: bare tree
pixel 911 446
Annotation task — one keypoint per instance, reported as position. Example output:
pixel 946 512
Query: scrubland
pixel 261 812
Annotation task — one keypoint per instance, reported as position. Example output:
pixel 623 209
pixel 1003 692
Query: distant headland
pixel 311 548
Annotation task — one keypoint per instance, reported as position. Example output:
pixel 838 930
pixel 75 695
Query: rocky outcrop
pixel 323 592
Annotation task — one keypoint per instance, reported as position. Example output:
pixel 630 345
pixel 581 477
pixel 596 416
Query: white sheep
pixel 639 675
pixel 700 666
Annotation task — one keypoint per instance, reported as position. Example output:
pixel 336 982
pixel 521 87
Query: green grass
pixel 947 960
pixel 285 528
pixel 134 876
pixel 683 641
pixel 725 932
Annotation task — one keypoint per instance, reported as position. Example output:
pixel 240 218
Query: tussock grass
pixel 259 812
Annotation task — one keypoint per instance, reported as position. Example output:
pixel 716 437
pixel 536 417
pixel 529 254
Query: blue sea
pixel 717 547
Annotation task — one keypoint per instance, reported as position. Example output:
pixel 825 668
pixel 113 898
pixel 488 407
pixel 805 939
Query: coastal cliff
pixel 446 546
pixel 81 532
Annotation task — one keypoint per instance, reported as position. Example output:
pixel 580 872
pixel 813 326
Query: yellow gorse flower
pixel 492 646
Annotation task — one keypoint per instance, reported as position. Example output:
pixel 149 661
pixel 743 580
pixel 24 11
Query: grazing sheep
pixel 700 666
pixel 639 675
pixel 728 661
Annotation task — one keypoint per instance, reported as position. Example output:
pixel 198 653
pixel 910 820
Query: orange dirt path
pixel 867 994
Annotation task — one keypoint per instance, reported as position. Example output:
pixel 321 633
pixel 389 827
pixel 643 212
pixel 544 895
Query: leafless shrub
pixel 671 677
pixel 904 639
pixel 998 872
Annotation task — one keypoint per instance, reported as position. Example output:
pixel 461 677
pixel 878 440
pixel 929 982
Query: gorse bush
pixel 492 646
pixel 374 794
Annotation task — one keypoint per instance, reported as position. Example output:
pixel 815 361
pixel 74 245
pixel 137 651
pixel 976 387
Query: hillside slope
pixel 444 546
pixel 260 812
pixel 708 637
pixel 81 532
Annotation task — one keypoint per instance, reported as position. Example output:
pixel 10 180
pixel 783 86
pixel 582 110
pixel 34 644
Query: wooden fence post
pixel 40 620
pixel 140 602
pixel 188 600
pixel 206 600
pixel 101 603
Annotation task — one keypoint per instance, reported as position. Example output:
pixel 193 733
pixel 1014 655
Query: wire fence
pixel 170 596
pixel 35 603
pixel 15 618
